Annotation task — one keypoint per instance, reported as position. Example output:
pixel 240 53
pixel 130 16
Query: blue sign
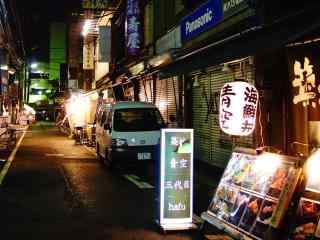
pixel 133 28
pixel 202 19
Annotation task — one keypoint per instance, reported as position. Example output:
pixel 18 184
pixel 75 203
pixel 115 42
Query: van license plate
pixel 144 156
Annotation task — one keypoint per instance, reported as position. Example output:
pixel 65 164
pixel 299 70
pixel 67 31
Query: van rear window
pixel 137 119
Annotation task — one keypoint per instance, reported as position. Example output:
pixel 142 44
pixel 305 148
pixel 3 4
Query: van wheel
pixel 98 153
pixel 109 162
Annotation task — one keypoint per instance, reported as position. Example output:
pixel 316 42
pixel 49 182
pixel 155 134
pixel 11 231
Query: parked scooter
pixel 79 134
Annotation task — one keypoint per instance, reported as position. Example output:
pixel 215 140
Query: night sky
pixel 36 16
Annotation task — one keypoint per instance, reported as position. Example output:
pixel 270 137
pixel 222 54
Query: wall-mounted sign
pixel 95 4
pixel 176 179
pixel 202 19
pixel 88 54
pixel 73 83
pixel 104 44
pixel 208 15
pixel 133 28
pixel 238 108
pixel 171 40
pixel 231 7
pixel 305 81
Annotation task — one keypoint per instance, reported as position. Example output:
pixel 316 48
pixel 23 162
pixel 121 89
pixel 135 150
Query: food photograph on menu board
pixel 307 220
pixel 249 192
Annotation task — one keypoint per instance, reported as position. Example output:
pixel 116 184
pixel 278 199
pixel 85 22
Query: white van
pixel 128 132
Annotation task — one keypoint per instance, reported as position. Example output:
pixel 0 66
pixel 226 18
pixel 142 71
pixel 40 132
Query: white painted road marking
pixel 6 167
pixel 135 179
pixel 54 155
pixel 132 178
pixel 90 150
pixel 78 157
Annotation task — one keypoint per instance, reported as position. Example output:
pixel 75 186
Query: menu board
pixel 253 192
pixel 176 176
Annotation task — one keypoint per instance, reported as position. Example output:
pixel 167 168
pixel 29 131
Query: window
pixel 137 119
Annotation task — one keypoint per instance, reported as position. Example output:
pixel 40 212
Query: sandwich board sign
pixel 176 179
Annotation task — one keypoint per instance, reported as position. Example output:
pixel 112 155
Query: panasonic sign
pixel 202 19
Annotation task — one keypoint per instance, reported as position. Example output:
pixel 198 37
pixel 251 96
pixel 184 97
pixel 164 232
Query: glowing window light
pixel 162 105
pixel 86 27
pixel 238 108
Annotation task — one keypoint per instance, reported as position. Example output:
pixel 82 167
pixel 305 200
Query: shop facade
pixel 202 52
pixel 212 145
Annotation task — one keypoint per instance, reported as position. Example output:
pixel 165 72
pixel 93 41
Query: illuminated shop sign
pixel 202 19
pixel 133 28
pixel 208 15
pixel 176 178
pixel 238 108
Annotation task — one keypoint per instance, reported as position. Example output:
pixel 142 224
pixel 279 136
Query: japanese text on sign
pixel 305 81
pixel 133 27
pixel 176 175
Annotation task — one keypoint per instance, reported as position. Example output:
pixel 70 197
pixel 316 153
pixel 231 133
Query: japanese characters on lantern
pixel 238 108
pixel 133 28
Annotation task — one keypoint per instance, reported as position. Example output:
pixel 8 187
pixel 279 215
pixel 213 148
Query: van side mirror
pixel 106 126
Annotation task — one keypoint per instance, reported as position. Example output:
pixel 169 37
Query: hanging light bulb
pixel 196 82
pixel 226 68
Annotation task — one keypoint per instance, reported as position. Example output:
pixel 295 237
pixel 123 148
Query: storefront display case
pixel 253 194
pixel 307 218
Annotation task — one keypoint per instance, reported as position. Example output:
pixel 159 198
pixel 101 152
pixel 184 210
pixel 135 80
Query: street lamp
pixel 34 65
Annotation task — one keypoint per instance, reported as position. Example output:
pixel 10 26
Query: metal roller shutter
pixel 211 144
pixel 146 89
pixel 167 92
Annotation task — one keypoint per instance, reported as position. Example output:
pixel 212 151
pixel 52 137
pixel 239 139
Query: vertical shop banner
pixel 133 28
pixel 104 44
pixel 88 54
pixel 176 179
pixel 304 84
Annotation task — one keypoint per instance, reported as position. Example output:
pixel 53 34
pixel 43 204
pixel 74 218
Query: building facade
pixel 178 54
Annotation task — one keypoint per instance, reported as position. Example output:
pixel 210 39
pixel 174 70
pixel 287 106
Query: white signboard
pixel 176 179
pixel 88 54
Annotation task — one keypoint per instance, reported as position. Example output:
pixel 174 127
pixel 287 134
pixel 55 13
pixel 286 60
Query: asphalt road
pixel 55 189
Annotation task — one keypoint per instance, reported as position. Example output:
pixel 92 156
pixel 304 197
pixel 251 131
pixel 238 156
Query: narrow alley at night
pixel 160 119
